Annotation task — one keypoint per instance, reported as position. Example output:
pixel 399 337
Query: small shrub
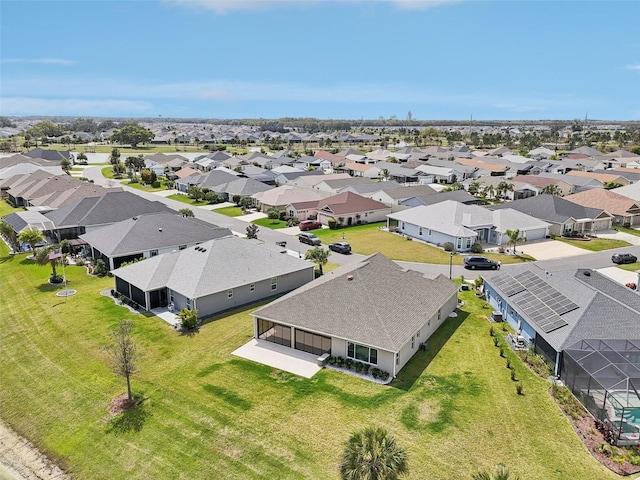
pixel 476 248
pixel 635 460
pixel 332 223
pixel 504 327
pixel 508 363
pixel 448 247
pixel 375 373
pixel 122 298
pixel 519 388
pixel 366 368
pixel 496 342
pixel 501 352
pixel 359 367
pixel 384 375
pixel 189 319
pixel 156 184
pixel 513 376
pixel 501 249
pixel 348 363
pixel 113 293
pixel 409 239
pixel 80 262
pixel 492 331
pixel 332 360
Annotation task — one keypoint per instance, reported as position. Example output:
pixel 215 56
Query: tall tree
pixel 319 256
pixel 124 353
pixel 503 187
pixel 252 231
pixel 186 212
pixel 31 236
pixel 514 237
pixel 132 135
pixel 372 454
pixel 551 190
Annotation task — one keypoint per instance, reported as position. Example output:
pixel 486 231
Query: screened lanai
pixel 605 376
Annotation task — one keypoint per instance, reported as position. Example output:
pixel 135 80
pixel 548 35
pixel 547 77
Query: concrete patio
pixel 280 357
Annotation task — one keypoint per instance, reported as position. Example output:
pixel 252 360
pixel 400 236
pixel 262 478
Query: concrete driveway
pixel 550 249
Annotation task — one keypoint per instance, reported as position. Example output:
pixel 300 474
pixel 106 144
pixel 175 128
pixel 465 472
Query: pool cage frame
pixel 604 375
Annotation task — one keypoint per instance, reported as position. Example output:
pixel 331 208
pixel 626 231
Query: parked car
pixel 310 225
pixel 309 239
pixel 623 258
pixel 480 263
pixel 340 247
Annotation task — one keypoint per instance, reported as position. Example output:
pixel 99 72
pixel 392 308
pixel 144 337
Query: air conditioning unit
pixel 496 316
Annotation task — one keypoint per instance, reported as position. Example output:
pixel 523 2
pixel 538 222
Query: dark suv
pixel 481 263
pixel 340 247
pixel 309 239
pixel 623 258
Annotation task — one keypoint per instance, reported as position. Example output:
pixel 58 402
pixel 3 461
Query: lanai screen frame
pixel 605 377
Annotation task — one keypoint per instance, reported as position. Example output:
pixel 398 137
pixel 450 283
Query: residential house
pixel 148 235
pixel 214 276
pixel 366 170
pixel 605 178
pixel 351 209
pixel 284 195
pixel 371 314
pixel 461 196
pixel 394 195
pixel 87 214
pixel 625 210
pixel 463 225
pixel 529 185
pixel 484 167
pixel 333 186
pixel 564 216
pixel 433 174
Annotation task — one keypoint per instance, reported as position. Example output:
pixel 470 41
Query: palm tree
pixel 372 454
pixel 551 190
pixel 504 187
pixel 319 256
pixel 501 473
pixel 31 236
pixel 514 237
pixel 48 256
pixel 385 174
pixel 186 212
pixel 474 187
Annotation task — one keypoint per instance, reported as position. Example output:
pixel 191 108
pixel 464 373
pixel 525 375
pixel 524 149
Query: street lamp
pixel 450 263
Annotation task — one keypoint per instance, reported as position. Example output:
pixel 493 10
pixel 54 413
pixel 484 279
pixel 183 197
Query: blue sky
pixel 439 59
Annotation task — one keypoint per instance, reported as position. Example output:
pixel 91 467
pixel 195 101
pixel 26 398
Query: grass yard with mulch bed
pixel 596 244
pixel 206 414
pixel 186 199
pixel 370 238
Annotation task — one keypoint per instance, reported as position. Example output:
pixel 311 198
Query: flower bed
pixel 359 369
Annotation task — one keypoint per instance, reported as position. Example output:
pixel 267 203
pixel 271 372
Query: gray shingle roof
pixel 225 263
pixel 150 232
pixel 550 208
pixel 607 310
pixel 377 307
pixel 110 208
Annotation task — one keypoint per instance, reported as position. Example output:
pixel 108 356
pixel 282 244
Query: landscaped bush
pixel 448 247
pixel 476 248
pixel 492 332
pixel 189 319
pixel 113 293
pixel 100 268
pixel 375 372
pixel 348 363
pixel 513 376
pixel 80 262
pixel 496 342
pixel 569 404
pixel 333 225
pixel 366 368
pixel 359 367
pixel 519 389
pixel 384 376
pixel 156 184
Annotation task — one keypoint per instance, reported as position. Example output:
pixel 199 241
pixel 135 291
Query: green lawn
pixel 145 188
pixel 368 239
pixel 229 211
pixel 632 267
pixel 186 199
pixel 208 414
pixel 269 223
pixel 596 244
pixel 631 231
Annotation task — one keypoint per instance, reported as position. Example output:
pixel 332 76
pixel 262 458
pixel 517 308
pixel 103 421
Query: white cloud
pixel 226 6
pixel 47 61
pixel 71 106
pixel 634 67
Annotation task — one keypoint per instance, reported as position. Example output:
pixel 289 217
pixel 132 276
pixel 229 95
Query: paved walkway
pixel 614 234
pixel 619 275
pixel 280 357
pixel 252 216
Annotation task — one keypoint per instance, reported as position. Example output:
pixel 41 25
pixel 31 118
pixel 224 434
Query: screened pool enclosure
pixel 605 376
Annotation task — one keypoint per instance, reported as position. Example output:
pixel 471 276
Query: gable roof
pixel 551 208
pixel 348 202
pixel 461 196
pixel 51 155
pixel 372 302
pixel 199 271
pixel 151 231
pixel 603 177
pixel 607 200
pixel 110 208
pixel 286 194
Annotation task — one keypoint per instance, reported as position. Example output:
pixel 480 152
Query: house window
pixel 418 334
pixel 230 293
pixel 468 242
pixel 274 283
pixel 458 243
pixel 420 231
pixel 188 304
pixel 362 353
pixel 153 253
pixel 398 358
pixel 252 287
pixel 429 323
pixel 413 342
pixel 439 314
pixel 429 232
pixel 365 214
pixel 402 225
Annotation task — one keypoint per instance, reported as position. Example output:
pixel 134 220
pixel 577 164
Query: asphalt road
pixel 591 260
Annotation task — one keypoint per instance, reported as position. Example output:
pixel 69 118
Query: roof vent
pixel 135 218
pixel 203 249
pixel 349 277
pixel 586 273
pixel 160 229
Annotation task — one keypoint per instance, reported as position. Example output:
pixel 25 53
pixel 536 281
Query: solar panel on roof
pixel 547 294
pixel 509 285
pixel 536 310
